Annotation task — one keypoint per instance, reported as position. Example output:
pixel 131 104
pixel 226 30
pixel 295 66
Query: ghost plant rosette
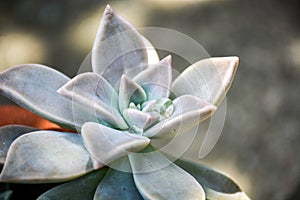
pixel 118 109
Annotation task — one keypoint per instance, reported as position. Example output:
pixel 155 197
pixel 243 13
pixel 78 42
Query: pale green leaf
pixel 189 112
pixel 118 184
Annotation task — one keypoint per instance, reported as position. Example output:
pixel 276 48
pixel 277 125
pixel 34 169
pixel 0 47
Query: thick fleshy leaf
pixel 158 178
pixel 208 79
pixel 6 195
pixel 215 184
pixel 138 119
pixel 78 189
pixel 96 94
pixel 130 92
pixel 119 49
pixel 189 111
pixel 8 134
pixel 215 195
pixel 118 184
pixel 34 87
pixel 45 157
pixel 106 144
pixel 157 79
pixel 151 52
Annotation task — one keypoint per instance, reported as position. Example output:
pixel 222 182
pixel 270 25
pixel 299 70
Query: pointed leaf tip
pixel 108 12
pixel 156 80
pixel 167 60
pixel 213 77
pixel 130 92
pixel 108 8
pixel 119 49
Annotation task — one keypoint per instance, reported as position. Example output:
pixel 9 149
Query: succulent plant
pixel 118 109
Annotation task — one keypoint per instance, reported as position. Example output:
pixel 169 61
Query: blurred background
pixel 259 145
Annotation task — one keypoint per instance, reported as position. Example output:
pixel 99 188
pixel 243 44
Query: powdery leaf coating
pixel 45 157
pixel 166 182
pixel 189 112
pixel 215 184
pixel 106 144
pixel 157 79
pixel 34 87
pixel 123 103
pixel 212 76
pixel 8 134
pixel 96 95
pixel 118 184
pixel 119 49
pixel 130 92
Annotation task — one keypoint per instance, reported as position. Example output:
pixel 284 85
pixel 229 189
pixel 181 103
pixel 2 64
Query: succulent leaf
pixel 106 144
pixel 130 92
pixel 6 195
pixel 215 184
pixel 163 107
pixel 212 76
pixel 34 87
pixel 156 80
pixel 44 157
pixel 78 189
pixel 118 184
pixel 158 178
pixel 139 119
pixel 123 103
pixel 97 95
pixel 189 111
pixel 118 48
pixel 214 195
pixel 8 134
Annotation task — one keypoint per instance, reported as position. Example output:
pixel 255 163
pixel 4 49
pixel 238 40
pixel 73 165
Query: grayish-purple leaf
pixel 45 157
pixel 215 184
pixel 106 144
pixel 119 49
pixel 95 94
pixel 208 79
pixel 158 178
pixel 8 134
pixel 34 87
pixel 118 184
pixel 130 92
pixel 157 79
